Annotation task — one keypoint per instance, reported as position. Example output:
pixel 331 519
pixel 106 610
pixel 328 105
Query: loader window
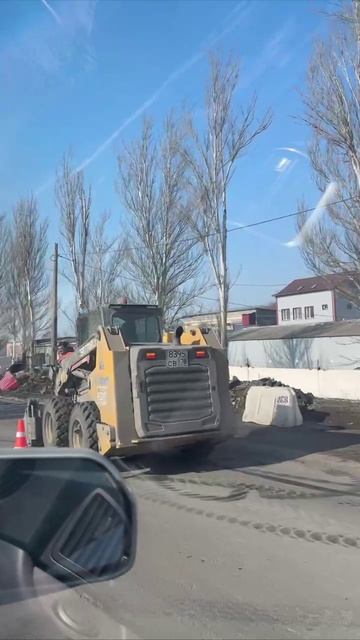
pixel 137 326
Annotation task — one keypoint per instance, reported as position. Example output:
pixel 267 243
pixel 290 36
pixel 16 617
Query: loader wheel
pixel 55 422
pixel 82 426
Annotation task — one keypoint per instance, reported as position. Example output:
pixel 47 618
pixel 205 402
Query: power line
pixel 259 284
pixel 199 296
pixel 246 226
pixel 288 215
pixel 238 228
pixel 238 304
pixel 241 284
pixel 96 269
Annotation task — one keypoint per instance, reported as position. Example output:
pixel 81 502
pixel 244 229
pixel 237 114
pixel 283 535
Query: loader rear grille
pixel 178 395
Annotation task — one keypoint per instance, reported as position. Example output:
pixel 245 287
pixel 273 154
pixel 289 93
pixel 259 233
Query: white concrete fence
pixel 330 383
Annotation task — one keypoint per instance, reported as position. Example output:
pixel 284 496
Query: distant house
pixel 237 318
pixel 315 299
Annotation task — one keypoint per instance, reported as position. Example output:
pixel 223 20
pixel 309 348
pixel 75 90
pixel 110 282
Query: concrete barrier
pixel 332 383
pixel 276 406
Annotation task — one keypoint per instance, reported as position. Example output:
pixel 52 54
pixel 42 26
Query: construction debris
pixel 239 388
pixel 8 382
pixel 18 379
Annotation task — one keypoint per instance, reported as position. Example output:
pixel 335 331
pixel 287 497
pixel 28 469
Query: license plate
pixel 177 358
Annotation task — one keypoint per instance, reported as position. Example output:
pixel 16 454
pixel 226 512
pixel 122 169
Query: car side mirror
pixel 69 511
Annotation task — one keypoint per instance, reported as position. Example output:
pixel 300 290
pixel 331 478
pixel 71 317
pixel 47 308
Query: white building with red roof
pixel 317 299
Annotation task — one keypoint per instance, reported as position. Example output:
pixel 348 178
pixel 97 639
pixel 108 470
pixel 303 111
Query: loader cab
pixel 137 323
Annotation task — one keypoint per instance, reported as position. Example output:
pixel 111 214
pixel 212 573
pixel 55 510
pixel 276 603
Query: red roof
pixel 316 283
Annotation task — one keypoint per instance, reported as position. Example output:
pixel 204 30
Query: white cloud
pixel 52 11
pixel 276 52
pixel 282 165
pixel 47 46
pixel 232 20
pixel 293 150
pixel 328 196
pixel 230 23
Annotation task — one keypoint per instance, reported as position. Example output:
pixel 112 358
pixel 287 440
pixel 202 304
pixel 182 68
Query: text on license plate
pixel 177 358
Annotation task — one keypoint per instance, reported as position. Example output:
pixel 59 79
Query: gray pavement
pixel 262 540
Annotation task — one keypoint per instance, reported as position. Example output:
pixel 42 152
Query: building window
pixel 325 307
pixel 349 305
pixel 297 313
pixel 309 312
pixel 285 314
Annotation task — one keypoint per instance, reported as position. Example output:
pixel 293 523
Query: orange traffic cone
pixel 20 439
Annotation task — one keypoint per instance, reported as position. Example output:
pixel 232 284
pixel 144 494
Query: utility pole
pixel 54 310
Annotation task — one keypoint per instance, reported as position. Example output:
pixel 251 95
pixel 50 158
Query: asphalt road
pixel 262 540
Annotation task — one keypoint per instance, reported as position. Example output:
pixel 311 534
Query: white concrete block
pixel 276 406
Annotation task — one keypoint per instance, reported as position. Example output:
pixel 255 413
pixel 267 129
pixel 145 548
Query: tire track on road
pixel 296 533
pixel 239 490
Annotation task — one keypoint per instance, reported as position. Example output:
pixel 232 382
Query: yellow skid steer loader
pixel 130 389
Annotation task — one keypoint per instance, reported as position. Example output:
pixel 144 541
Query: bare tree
pixel 162 259
pixel 4 236
pixel 107 261
pixel 73 200
pixel 27 277
pixel 211 158
pixel 332 111
pixel 10 306
pixel 8 309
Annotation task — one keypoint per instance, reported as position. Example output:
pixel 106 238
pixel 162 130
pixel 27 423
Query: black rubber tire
pixel 82 426
pixel 55 422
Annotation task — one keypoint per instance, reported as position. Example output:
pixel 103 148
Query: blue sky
pixel 79 74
